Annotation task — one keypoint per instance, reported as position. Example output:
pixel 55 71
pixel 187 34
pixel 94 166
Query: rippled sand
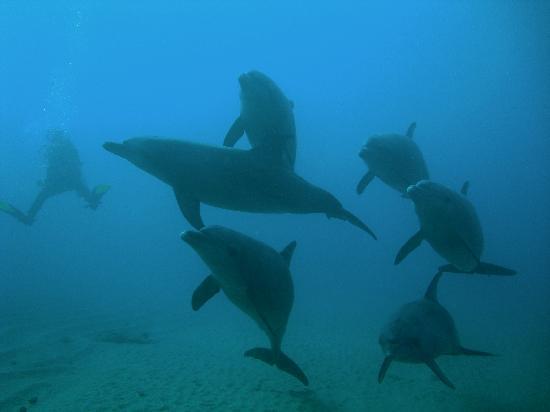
pixel 194 362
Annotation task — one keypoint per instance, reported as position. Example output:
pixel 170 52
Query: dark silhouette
pixel 63 174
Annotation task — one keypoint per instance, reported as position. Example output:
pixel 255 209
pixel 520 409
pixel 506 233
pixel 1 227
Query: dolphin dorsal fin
pixel 431 292
pixel 465 187
pixel 410 130
pixel 288 251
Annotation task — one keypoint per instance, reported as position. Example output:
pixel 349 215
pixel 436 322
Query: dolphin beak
pixel 118 149
pixel 193 238
pixel 409 193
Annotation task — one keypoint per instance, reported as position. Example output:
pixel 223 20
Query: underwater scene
pixel 273 206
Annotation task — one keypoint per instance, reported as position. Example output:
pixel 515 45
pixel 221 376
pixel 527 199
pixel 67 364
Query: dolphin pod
pixel 228 178
pixel 255 277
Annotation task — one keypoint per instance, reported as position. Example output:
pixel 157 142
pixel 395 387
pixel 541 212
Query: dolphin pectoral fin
pixel 191 209
pixel 384 368
pixel 288 251
pixel 473 352
pixel 410 130
pixel 364 182
pixel 408 247
pixel 354 220
pixel 208 288
pixel 16 213
pixel 489 269
pixel 234 133
pixel 439 373
pixel 282 361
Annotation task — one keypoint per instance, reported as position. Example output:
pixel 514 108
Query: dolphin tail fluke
pixel 473 352
pixel 450 269
pixel 408 247
pixel 16 213
pixel 364 182
pixel 282 362
pixel 355 221
pixel 384 368
pixel 482 269
pixel 439 373
pixel 490 269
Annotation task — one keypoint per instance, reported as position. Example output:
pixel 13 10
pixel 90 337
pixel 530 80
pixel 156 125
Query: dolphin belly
pixel 257 190
pixel 449 245
pixel 267 320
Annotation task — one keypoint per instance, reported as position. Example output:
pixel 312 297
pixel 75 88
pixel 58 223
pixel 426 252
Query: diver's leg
pixel 37 204
pixel 92 197
pixel 83 192
pixel 13 211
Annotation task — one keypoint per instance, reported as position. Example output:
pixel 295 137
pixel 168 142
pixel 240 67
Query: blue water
pixel 473 75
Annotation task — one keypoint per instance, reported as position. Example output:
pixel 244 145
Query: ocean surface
pixel 95 311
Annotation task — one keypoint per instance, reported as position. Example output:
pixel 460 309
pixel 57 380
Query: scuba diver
pixel 63 174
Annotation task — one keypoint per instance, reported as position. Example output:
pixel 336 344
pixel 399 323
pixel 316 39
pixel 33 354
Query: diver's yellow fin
pixel 101 189
pixel 6 207
pixel 16 213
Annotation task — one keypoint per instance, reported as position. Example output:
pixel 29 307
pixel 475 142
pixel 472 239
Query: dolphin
pixel 63 174
pixel 420 332
pixel 228 178
pixel 449 222
pixel 256 279
pixel 395 159
pixel 267 118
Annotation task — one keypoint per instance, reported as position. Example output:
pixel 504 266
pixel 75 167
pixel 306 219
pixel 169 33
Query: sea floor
pixel 194 362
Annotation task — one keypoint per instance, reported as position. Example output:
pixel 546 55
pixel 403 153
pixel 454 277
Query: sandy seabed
pixel 195 362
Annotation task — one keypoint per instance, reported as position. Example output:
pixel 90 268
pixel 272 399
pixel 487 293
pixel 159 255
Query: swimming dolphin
pixel 395 159
pixel 449 222
pixel 256 279
pixel 228 178
pixel 64 174
pixel 420 332
pixel 267 118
